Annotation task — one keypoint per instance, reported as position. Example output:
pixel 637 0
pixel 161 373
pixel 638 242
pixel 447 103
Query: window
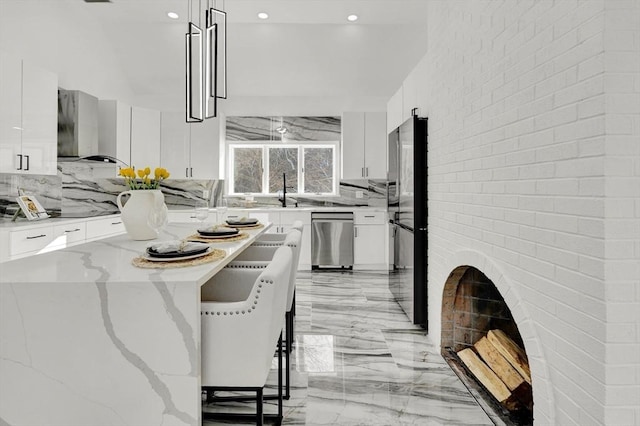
pixel 258 168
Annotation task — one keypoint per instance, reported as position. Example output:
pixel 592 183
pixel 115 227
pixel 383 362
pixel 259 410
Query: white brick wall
pixel 534 133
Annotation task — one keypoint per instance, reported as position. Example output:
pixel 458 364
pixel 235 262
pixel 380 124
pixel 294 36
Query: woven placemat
pixel 256 226
pixel 216 254
pixel 239 236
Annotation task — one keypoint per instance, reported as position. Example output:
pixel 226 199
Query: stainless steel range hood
pixel 77 124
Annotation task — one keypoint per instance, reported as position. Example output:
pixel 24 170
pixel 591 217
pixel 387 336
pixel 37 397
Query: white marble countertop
pixel 107 343
pixel 109 260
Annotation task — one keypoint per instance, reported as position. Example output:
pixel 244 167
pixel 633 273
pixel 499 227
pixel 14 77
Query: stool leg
pixel 280 377
pixel 287 354
pixel 259 413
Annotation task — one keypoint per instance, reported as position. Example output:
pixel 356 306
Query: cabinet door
pixel 10 116
pixel 375 145
pixel 205 149
pixel 114 130
pixel 39 120
pixel 145 138
pixel 353 145
pixel 394 111
pixel 369 247
pixel 174 145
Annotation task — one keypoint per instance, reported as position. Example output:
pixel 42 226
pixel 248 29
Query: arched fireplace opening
pixel 481 342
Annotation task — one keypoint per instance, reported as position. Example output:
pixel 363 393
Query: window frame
pixel 265 145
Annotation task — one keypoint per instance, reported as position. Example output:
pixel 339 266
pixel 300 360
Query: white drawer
pixel 70 234
pixel 369 218
pixel 182 216
pixel 105 227
pixel 30 241
pixel 288 217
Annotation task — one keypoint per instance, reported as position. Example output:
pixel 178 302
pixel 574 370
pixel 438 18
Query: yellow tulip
pixel 141 173
pixel 147 171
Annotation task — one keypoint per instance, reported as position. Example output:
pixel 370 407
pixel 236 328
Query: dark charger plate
pixel 242 222
pixel 174 254
pixel 227 232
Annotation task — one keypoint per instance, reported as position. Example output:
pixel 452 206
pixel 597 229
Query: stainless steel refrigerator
pixel 407 204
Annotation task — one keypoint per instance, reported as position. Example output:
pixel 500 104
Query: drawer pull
pixel 37 236
pixel 72 230
pixel 116 223
pixel 369 216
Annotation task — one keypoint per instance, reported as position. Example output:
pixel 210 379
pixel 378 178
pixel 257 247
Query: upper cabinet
pixel 145 138
pixel 364 145
pixel 28 118
pixel 115 130
pixel 190 150
pixel 395 117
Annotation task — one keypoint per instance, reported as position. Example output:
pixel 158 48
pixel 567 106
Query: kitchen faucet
pixel 283 200
pixel 284 190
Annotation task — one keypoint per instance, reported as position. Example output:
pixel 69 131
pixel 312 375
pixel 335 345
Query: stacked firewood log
pixel 501 366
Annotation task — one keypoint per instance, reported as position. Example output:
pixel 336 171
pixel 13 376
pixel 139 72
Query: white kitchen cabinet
pixel 190 150
pixel 27 242
pixel 394 111
pixel 28 118
pixel 114 131
pixel 28 239
pixel 69 234
pixel 145 138
pixel 204 149
pixel 370 241
pixel 104 227
pixel 364 145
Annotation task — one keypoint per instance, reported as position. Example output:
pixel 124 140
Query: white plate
pixel 174 259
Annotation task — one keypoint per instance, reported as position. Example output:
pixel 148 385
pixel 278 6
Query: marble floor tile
pixel 358 360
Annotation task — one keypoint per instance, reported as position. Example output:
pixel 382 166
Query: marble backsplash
pixel 83 189
pixel 353 193
pixel 89 189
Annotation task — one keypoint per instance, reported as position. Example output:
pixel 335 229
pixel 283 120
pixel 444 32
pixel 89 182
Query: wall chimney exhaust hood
pixel 77 124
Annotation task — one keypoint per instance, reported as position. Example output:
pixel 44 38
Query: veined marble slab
pixel 86 338
pixel 321 129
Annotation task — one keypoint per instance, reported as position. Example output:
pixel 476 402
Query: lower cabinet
pixel 104 227
pixel 370 241
pixel 37 238
pixel 27 242
pixel 69 234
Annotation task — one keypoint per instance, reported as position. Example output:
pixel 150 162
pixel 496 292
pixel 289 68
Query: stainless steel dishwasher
pixel 331 240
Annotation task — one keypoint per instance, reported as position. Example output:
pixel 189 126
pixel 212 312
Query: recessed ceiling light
pixel 352 18
pixel 172 15
pixel 263 15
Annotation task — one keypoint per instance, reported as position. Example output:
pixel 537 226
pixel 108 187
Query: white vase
pixel 143 213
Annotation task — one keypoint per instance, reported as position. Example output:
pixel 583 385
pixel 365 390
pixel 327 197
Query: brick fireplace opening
pixel 472 306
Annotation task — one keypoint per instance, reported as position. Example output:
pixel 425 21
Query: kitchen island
pixel 86 338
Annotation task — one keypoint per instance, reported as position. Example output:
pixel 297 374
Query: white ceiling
pixel 306 50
